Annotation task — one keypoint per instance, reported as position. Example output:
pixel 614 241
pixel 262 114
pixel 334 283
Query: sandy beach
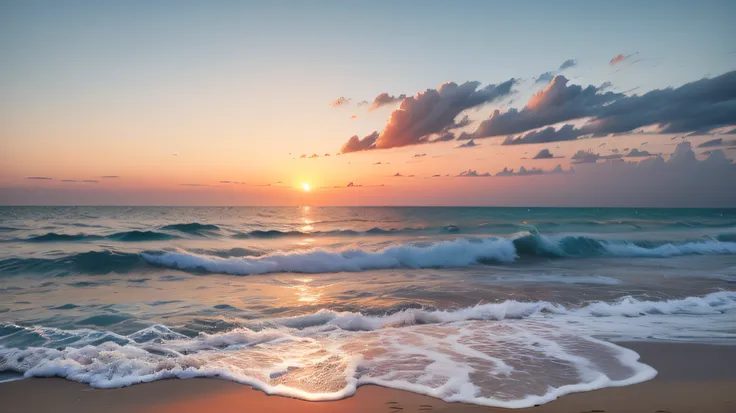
pixel 695 378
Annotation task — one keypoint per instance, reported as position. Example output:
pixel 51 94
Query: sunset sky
pixel 215 103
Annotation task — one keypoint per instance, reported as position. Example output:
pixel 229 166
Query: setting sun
pixel 306 187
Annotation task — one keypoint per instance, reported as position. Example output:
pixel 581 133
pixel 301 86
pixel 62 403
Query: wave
pixel 127 236
pixel 457 253
pixel 508 354
pixel 336 233
pixel 446 254
pixel 91 262
pixel 194 228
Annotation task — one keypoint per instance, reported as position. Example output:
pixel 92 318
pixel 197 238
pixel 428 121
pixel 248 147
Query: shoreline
pixel 697 378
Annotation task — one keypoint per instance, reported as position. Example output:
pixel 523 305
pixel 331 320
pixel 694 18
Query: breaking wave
pixel 507 354
pixel 457 253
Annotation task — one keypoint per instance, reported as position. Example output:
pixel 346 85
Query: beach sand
pixel 695 378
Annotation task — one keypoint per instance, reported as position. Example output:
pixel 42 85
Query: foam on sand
pixel 507 354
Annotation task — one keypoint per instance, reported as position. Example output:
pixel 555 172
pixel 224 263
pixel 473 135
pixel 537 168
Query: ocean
pixel 507 307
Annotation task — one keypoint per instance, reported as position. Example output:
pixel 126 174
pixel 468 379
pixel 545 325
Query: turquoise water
pixel 498 306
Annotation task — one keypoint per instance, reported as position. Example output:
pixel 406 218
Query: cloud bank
pixel 431 114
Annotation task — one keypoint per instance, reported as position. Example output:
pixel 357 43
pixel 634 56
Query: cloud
pixel 69 180
pixel 354 117
pixel 680 180
pixel 41 178
pixel 445 137
pixel 605 85
pixel 637 153
pixel 304 155
pixel 699 105
pixel 550 134
pixel 522 171
pixel 716 142
pixel 583 156
pixel 109 177
pixel 544 154
pixel 568 64
pixel 558 102
pixel 327 154
pixel 350 185
pixel 419 155
pixel 384 99
pixel 355 143
pixel 545 77
pixel 620 58
pixel 339 102
pixel 468 144
pixel 194 185
pixel 314 155
pixel 362 103
pixel 421 117
pixel 471 173
pixel 91 181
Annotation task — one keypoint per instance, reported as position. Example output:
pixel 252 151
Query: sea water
pixel 505 307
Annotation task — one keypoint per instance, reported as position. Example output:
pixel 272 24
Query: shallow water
pixel 498 306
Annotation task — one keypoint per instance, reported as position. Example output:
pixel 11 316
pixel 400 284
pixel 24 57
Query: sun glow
pixel 306 187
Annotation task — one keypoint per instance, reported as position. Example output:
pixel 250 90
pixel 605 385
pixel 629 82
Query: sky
pixel 239 103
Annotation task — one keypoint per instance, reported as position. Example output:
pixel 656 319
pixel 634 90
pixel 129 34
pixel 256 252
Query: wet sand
pixel 695 378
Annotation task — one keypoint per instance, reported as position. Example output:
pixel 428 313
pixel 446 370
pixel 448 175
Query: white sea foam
pixel 457 253
pixel 444 254
pixel 509 354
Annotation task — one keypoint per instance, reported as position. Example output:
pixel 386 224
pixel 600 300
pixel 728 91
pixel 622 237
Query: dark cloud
pixel 545 77
pixel 698 105
pixel 468 144
pixel 701 105
pixel 362 103
pixel 445 137
pixel 716 142
pixel 522 171
pixel 550 134
pixel 341 101
pixel 471 173
pixel 568 64
pixel 558 102
pixel 544 154
pixel 637 153
pixel 419 155
pixel 327 154
pixel 605 85
pixel 419 118
pixel 583 156
pixel 355 143
pixel 385 99
pixel 41 178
